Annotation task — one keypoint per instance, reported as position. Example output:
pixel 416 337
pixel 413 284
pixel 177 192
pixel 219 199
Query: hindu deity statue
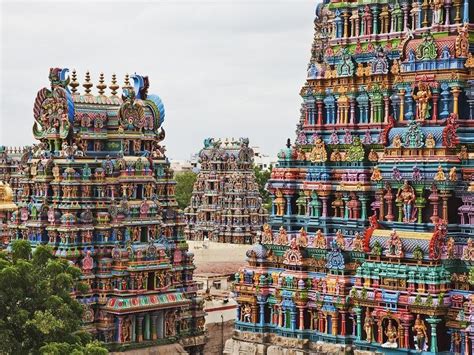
pixel 437 9
pixel 440 175
pixel 368 326
pixel 406 195
pixel 318 154
pixel 336 156
pixel 450 248
pixel 279 203
pixel 341 243
pixel 358 243
pixel 430 141
pixel 420 338
pixel 422 98
pixel 282 236
pixel 320 240
pixel 394 245
pixel 267 234
pixel 392 336
pixel 376 174
pixel 453 176
pixel 397 141
pixel 302 240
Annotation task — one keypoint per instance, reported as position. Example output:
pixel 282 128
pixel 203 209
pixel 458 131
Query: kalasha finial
pixel 74 83
pixel 127 83
pixel 101 86
pixel 114 86
pixel 88 83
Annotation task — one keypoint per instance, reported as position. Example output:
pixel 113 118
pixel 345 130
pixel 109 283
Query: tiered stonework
pixel 99 190
pixel 369 240
pixel 226 205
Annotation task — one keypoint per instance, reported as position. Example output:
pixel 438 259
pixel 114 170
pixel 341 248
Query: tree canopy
pixel 184 187
pixel 262 177
pixel 38 314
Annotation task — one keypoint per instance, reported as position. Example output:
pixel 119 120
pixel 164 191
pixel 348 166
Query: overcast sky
pixel 222 68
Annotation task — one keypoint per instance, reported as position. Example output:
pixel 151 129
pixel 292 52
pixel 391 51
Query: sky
pixel 223 68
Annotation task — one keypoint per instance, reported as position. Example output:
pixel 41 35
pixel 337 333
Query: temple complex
pixel 98 189
pixel 369 243
pixel 225 205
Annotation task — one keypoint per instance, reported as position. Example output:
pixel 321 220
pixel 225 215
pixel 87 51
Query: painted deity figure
pixel 440 175
pixel 397 141
pixel 450 248
pixel 279 203
pixel 376 174
pixel 420 338
pixel 406 195
pixel 392 336
pixel 302 240
pixel 394 245
pixel 368 326
pixel 358 243
pixel 282 236
pixel 267 234
pixel 340 242
pixel 246 313
pixel 437 9
pixel 430 141
pixel 320 240
pixel 336 155
pixel 318 153
pixel 422 98
pixel 453 176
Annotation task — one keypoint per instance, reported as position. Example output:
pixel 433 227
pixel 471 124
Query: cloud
pixel 223 68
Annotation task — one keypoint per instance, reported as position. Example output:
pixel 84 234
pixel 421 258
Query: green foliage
pixel 261 177
pixel 36 307
pixel 184 187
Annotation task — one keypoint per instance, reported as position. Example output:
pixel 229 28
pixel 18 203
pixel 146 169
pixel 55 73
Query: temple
pixel 369 243
pixel 98 189
pixel 225 205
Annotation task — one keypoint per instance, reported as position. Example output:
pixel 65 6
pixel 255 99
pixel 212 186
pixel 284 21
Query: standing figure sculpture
pixel 422 98
pixel 392 336
pixel 368 326
pixel 406 195
pixel 420 338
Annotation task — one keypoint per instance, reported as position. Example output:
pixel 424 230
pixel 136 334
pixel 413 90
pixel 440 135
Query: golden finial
pixel 88 83
pixel 101 86
pixel 114 86
pixel 74 83
pixel 127 83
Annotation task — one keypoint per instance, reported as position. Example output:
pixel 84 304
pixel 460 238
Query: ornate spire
pixel 74 83
pixel 114 86
pixel 101 86
pixel 126 84
pixel 88 83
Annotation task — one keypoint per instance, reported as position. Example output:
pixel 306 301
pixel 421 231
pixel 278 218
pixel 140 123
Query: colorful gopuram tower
pixel 225 205
pixel 368 245
pixel 99 190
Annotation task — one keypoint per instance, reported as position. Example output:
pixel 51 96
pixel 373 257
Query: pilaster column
pixel 389 199
pixel 319 104
pixel 447 8
pixel 352 110
pixel 456 91
pixel 139 327
pixel 345 198
pixel 401 94
pixel 119 330
pixel 375 19
pixel 154 317
pixel 324 200
pixel 363 205
pixel 280 317
pixel 435 96
pixel 343 323
pixel 288 204
pixel 262 313
pixel 358 312
pixel 301 320
pixel 444 197
pixel 346 23
pixel 293 320
pixel 434 339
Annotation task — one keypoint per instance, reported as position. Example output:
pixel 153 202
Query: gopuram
pixel 98 189
pixel 225 205
pixel 370 243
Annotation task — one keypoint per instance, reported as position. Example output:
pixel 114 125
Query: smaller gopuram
pixel 225 205
pixel 98 189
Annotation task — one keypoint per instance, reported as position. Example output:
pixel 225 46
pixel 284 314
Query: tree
pixel 184 187
pixel 262 176
pixel 36 306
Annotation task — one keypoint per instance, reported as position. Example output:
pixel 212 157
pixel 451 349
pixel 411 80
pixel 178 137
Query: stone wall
pixel 216 341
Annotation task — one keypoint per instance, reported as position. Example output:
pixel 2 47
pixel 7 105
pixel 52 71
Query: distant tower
pixel 225 205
